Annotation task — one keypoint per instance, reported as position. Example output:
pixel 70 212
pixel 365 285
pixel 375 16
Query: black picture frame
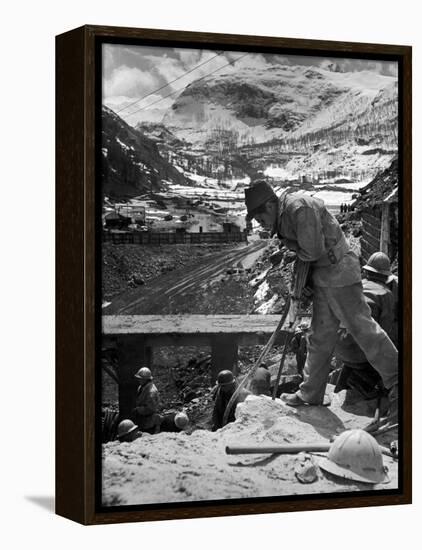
pixel 78 318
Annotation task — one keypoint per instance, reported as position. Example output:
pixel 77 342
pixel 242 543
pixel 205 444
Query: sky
pixel 140 83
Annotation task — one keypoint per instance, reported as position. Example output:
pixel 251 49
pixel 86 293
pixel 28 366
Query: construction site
pixel 250 282
pixel 198 312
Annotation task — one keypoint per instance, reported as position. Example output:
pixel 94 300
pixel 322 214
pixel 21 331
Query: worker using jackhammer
pixel 304 225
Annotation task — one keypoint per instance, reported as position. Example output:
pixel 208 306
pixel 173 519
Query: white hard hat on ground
pixel 356 455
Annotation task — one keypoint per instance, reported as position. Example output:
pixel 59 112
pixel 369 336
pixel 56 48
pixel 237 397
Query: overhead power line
pixel 168 83
pixel 180 89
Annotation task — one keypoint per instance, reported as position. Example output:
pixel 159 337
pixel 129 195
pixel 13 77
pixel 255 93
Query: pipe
pixel 289 448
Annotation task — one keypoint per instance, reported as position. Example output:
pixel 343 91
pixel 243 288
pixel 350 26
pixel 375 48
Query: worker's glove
pixel 288 254
pixel 293 311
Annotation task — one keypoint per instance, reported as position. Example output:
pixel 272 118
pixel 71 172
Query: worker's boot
pixel 294 400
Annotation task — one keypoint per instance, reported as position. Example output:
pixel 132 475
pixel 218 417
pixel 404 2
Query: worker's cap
pixel 125 427
pixel 379 263
pixel 225 377
pixel 257 194
pixel 144 374
pixel 181 420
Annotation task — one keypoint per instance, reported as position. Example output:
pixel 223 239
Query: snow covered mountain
pixel 131 163
pixel 287 102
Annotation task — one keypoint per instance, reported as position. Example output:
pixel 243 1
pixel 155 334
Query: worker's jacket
pixel 221 400
pixel 393 285
pixel 381 301
pixel 147 405
pixel 261 382
pixel 306 226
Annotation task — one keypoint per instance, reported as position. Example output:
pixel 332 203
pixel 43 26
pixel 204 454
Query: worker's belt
pixel 334 254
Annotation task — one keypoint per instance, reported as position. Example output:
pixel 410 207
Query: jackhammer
pixel 290 314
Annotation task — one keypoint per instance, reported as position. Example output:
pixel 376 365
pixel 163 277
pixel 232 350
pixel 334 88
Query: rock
pixel 138 279
pixel 189 395
pixel 198 461
pixel 306 468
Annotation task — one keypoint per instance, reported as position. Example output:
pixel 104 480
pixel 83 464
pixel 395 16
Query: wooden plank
pixel 371 240
pixel 364 245
pixel 371 218
pixel 246 339
pixel 188 324
pixel 385 229
pixel 372 230
pixel 367 249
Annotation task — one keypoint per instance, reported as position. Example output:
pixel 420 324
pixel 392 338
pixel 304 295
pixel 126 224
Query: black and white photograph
pixel 250 275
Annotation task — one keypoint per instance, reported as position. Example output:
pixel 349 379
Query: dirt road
pixel 171 287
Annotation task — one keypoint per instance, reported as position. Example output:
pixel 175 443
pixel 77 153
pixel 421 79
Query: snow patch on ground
pixel 124 146
pixel 262 292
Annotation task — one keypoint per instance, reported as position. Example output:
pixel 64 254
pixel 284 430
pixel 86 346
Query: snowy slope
pixel 281 101
pixel 131 163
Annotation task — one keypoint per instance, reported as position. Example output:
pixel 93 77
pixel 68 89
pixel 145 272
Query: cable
pixel 168 83
pixel 176 91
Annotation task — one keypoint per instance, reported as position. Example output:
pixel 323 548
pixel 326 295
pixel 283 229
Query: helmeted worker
pixel 261 381
pixel 378 269
pixel 226 386
pixel 174 422
pixel 304 225
pixel 357 372
pixel 147 402
pixel 127 431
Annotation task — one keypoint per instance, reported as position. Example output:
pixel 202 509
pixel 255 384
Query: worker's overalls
pixel 306 226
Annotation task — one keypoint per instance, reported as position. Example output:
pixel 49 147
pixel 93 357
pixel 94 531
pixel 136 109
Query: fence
pixel 147 238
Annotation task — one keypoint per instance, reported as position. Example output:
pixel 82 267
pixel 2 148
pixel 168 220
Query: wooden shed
pixel 378 206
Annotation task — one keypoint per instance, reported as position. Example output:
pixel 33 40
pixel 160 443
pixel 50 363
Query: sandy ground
pixel 180 467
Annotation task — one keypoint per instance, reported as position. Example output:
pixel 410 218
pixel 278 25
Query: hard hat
pixel 125 427
pixel 258 194
pixel 356 455
pixel 379 263
pixel 181 420
pixel 225 377
pixel 144 374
